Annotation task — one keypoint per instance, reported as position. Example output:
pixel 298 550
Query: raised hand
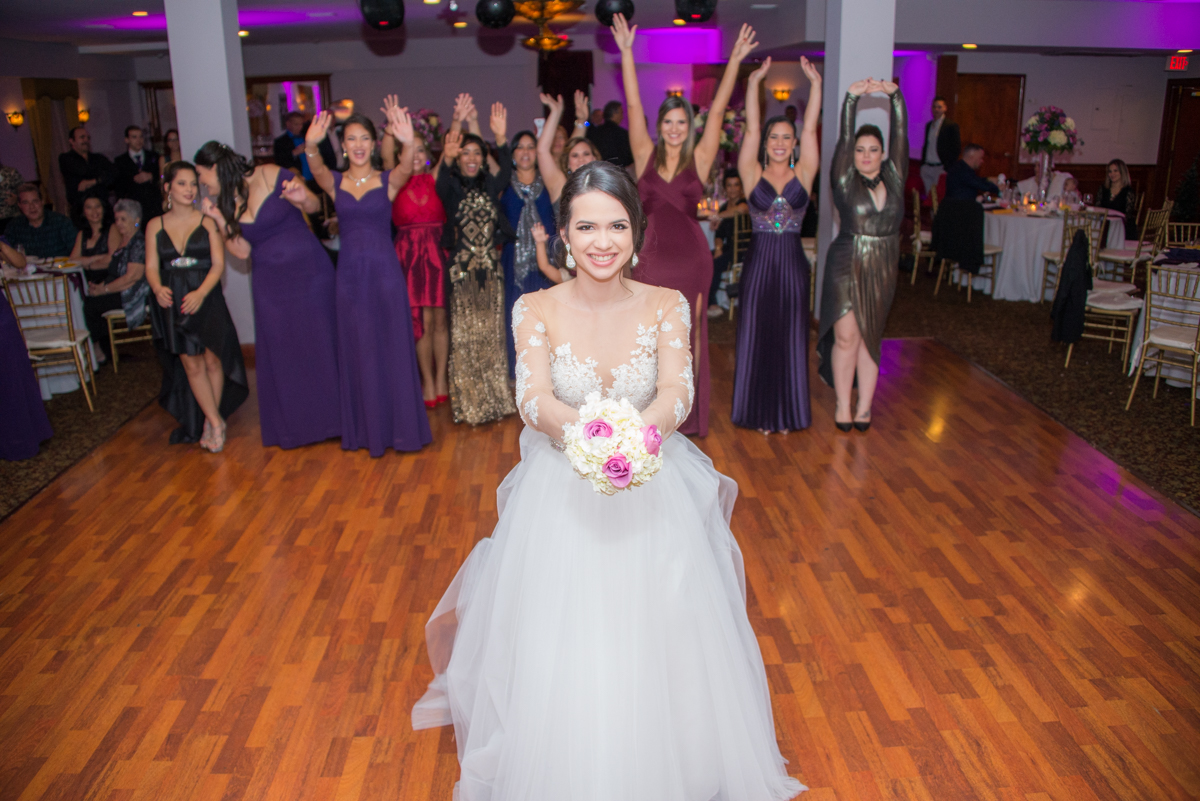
pixel 209 209
pixel 499 121
pixel 555 103
pixel 860 88
pixel 744 44
pixel 582 106
pixel 400 125
pixel 810 72
pixel 761 72
pixel 462 105
pixel 318 129
pixel 539 234
pixel 622 32
pixel 294 190
pixel 451 145
pixel 888 87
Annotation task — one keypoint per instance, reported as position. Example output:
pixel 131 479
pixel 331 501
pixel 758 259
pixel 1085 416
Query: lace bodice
pixel 641 351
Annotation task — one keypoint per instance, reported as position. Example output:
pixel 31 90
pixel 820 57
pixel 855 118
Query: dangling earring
pixel 792 163
pixel 345 157
pixel 570 258
pixel 634 263
pixel 168 202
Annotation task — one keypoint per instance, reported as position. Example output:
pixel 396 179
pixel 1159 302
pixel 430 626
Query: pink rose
pixel 597 428
pixel 618 471
pixel 652 438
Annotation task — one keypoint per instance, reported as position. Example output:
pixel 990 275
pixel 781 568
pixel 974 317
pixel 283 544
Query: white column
pixel 859 38
pixel 210 103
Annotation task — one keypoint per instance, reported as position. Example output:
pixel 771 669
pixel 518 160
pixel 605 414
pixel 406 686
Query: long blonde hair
pixel 689 141
pixel 1124 174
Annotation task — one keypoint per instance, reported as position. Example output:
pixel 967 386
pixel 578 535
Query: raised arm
pixel 451 144
pixel 401 129
pixel 898 135
pixel 582 109
pixel 749 167
pixel 317 132
pixel 540 239
pixel 296 192
pixel 809 163
pixel 843 151
pixel 710 142
pixel 639 137
pixel 675 380
pixel 552 175
pixel 536 403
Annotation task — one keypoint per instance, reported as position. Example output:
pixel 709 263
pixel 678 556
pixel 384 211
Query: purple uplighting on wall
pixel 670 46
pixel 247 18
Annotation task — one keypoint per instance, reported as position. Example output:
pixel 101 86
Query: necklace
pixel 871 183
pixel 361 181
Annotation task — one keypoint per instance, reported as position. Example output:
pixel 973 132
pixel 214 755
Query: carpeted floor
pixel 1010 340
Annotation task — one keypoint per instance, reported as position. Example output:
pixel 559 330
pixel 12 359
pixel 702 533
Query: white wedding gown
pixel 597 648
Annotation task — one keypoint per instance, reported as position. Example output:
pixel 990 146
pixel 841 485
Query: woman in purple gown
pixel 770 384
pixel 380 383
pixel 23 421
pixel 295 329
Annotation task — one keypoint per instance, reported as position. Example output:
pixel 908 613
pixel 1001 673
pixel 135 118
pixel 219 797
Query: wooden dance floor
pixel 966 603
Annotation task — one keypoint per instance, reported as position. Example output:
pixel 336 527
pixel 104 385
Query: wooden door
pixel 1179 144
pixel 987 109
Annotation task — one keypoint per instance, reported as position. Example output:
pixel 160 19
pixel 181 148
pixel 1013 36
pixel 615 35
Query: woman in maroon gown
pixel 671 183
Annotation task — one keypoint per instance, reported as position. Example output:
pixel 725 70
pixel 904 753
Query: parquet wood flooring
pixel 968 602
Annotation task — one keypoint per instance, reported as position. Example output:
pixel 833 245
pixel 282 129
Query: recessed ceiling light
pixel 460 24
pixel 141 13
pixel 1183 51
pixel 243 34
pixel 432 2
pixel 970 46
pixel 679 21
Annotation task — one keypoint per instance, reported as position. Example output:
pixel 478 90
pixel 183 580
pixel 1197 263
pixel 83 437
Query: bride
pixel 597 648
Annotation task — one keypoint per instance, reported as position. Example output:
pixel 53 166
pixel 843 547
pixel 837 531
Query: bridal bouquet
pixel 611 446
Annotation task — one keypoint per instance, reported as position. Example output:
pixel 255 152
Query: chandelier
pixel 540 12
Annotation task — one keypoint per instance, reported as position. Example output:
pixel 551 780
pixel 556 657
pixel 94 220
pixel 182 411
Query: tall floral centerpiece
pixel 733 128
pixel 1046 134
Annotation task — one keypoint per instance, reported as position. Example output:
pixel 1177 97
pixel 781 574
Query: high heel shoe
pixel 845 427
pixel 861 425
pixel 206 436
pixel 217 443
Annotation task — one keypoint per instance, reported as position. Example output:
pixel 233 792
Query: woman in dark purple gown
pixel 381 401
pixel 295 327
pixel 770 385
pixel 23 421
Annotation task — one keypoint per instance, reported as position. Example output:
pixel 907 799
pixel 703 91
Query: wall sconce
pixel 781 93
pixel 84 116
pixel 674 93
pixel 342 109
pixel 15 119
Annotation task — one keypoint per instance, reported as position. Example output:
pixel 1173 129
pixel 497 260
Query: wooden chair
pixel 741 243
pixel 1171 326
pixel 991 263
pixel 1182 235
pixel 1109 316
pixel 119 333
pixel 1094 222
pixel 41 305
pixel 921 239
pixel 1150 238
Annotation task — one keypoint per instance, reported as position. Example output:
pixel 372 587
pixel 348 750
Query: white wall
pixel 1117 103
pixel 111 105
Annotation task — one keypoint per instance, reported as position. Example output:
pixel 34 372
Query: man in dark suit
pixel 962 179
pixel 289 147
pixel 610 138
pixel 941 147
pixel 85 174
pixel 138 173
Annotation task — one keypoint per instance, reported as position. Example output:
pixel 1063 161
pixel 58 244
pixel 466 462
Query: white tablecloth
pixel 1024 240
pixel 1175 376
pixel 62 378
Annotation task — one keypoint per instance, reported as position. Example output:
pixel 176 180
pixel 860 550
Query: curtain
pixel 52 106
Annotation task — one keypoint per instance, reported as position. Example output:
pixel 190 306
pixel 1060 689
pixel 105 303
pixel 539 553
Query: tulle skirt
pixel 597 648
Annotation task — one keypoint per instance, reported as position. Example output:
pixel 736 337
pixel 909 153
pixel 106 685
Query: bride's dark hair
pixel 232 171
pixel 600 176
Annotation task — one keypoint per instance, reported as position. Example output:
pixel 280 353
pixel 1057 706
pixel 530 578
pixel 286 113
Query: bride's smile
pixel 600 235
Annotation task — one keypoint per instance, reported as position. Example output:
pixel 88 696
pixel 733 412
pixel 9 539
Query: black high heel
pixel 861 426
pixel 845 427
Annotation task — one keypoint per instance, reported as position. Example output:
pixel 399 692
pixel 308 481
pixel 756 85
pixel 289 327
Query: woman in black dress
pixel 94 246
pixel 1117 194
pixel 204 377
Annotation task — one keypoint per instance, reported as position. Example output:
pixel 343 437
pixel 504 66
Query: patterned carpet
pixel 1008 339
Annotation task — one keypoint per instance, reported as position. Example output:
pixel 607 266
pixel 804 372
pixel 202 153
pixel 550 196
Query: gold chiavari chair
pixel 41 305
pixel 1149 241
pixel 741 243
pixel 921 240
pixel 1182 235
pixel 1093 222
pixel 119 332
pixel 1171 326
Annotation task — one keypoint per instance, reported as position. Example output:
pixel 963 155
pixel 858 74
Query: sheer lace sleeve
pixel 535 387
pixel 675 387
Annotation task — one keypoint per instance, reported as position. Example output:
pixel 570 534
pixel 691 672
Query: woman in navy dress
pixel 526 202
pixel 259 209
pixel 770 385
pixel 380 383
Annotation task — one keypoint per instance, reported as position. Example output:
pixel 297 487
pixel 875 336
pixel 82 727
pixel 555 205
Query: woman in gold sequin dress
pixel 478 367
pixel 860 269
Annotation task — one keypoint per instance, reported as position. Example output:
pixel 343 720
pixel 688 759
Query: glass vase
pixel 1044 164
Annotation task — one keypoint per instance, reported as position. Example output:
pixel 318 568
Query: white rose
pixel 1058 138
pixel 1069 124
pixel 1029 123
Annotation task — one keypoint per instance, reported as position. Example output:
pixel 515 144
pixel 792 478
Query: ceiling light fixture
pixel 970 46
pixel 1183 51
pixel 679 21
pixel 460 24
pixel 141 13
pixel 243 34
pixel 540 12
pixel 432 2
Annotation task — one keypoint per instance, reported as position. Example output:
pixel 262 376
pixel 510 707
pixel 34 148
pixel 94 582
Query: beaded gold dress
pixel 478 366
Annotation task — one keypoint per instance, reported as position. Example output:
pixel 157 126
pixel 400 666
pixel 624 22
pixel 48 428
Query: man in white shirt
pixel 942 145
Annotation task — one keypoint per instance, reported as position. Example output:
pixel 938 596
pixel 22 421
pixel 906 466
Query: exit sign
pixel 1177 63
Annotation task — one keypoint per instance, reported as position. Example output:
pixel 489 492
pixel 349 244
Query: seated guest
pixel 10 257
pixel 44 234
pixel 610 138
pixel 289 147
pixel 124 286
pixel 1117 194
pixel 1058 180
pixel 722 225
pixel 96 239
pixel 85 173
pixel 137 173
pixel 962 179
pixel 10 179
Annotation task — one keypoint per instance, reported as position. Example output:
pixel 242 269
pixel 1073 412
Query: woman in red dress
pixel 419 218
pixel 671 185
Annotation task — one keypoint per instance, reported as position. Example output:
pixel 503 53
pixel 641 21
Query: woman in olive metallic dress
pixel 860 268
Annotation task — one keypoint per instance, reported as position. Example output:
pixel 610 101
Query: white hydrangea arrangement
pixel 611 446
